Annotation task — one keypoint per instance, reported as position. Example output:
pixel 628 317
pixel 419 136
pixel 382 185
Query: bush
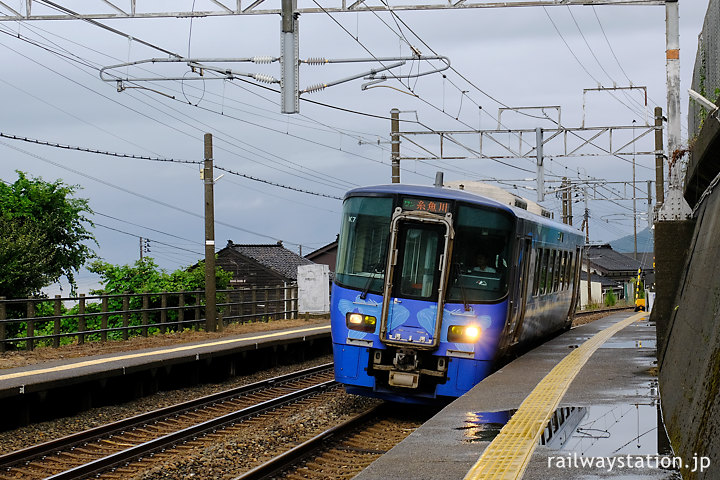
pixel 610 299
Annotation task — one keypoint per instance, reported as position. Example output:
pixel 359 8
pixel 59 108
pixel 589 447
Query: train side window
pixel 543 272
pixel 558 271
pixel 536 276
pixel 563 271
pixel 566 278
pixel 550 272
pixel 571 269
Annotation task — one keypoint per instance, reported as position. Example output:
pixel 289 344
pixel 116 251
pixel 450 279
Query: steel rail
pixel 168 441
pixel 68 442
pixel 288 458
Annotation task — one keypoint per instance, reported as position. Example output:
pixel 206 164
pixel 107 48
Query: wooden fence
pixel 26 323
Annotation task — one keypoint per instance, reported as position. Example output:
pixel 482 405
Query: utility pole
pixel 540 171
pixel 659 159
pixel 634 197
pixel 395 141
pixel 564 191
pixel 207 176
pixel 586 221
pixel 649 208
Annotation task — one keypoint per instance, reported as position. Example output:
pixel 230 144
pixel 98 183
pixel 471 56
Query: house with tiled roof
pixel 260 265
pixel 261 273
pixel 616 271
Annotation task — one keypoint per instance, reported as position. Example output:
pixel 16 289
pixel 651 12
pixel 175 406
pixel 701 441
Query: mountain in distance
pixel 645 242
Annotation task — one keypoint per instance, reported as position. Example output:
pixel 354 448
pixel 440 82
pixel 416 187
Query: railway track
pixel 118 444
pixel 344 450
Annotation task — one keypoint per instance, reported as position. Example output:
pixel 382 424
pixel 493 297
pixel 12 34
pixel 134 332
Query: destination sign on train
pixel 425 205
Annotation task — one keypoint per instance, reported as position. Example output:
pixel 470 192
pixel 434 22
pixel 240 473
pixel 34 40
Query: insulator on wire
pixel 261 77
pixel 315 88
pixel 263 59
pixel 316 61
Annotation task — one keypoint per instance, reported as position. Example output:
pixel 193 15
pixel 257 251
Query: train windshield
pixel 363 243
pixel 421 246
pixel 479 268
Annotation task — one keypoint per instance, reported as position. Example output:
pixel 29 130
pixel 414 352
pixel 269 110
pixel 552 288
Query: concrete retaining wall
pixel 690 367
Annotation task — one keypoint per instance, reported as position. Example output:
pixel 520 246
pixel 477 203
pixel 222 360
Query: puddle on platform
pixel 630 344
pixel 595 430
pixel 485 426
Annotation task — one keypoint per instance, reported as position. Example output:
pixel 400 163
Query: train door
pixel 416 278
pixel 519 288
pixel 576 283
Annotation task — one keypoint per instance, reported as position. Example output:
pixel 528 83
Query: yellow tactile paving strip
pixel 87 363
pixel 508 455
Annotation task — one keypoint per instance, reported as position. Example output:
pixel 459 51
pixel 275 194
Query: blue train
pixel 433 286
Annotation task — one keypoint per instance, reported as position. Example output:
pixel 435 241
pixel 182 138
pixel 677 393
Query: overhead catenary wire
pixel 164 160
pixel 140 195
pixel 209 110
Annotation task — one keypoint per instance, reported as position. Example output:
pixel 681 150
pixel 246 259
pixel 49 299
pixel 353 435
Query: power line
pixel 140 195
pixel 152 240
pixel 164 160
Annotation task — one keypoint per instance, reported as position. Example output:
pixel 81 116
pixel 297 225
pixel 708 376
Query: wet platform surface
pixel 607 424
pixel 61 373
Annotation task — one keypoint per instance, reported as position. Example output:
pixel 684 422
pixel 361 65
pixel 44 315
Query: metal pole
pixel 659 159
pixel 649 209
pixel 672 54
pixel 289 85
pixel 587 243
pixel 540 172
pixel 395 141
pixel 210 313
pixel 634 197
pixel 564 191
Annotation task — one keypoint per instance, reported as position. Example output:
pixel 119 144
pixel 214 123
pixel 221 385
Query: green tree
pixel 146 277
pixel 42 235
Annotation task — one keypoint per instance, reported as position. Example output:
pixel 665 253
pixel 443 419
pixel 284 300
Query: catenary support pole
pixel 659 159
pixel 540 171
pixel 289 84
pixel 395 140
pixel 210 312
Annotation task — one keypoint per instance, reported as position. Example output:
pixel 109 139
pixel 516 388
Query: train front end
pixel 414 318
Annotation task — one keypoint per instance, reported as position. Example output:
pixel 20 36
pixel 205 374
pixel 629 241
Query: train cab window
pixel 479 266
pixel 420 247
pixel 364 236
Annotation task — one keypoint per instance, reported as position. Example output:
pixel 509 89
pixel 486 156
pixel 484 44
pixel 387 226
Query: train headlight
pixel 464 333
pixel 358 321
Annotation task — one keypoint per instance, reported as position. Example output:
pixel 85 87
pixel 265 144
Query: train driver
pixel 483 264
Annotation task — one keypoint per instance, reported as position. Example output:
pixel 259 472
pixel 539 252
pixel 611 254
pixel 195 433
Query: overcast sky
pixel 51 91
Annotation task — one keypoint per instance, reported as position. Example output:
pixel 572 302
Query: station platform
pixel 76 384
pixel 606 425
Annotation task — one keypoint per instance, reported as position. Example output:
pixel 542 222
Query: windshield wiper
pixel 463 295
pixel 373 271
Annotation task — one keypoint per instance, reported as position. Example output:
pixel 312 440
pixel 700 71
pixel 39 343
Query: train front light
pixel 463 333
pixel 358 321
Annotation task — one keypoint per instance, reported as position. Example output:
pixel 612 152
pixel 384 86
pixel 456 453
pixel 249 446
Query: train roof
pixel 462 195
